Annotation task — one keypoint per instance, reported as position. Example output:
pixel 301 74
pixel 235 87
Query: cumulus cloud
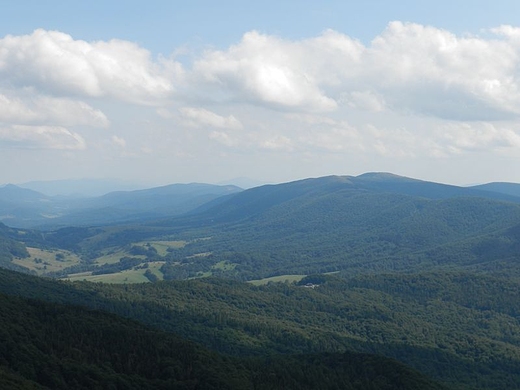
pixel 54 62
pixel 407 68
pixel 118 141
pixel 199 117
pixel 464 137
pixel 277 142
pixel 341 137
pixel 266 70
pixel 49 110
pixel 269 93
pixel 364 100
pixel 41 137
pixel 224 138
pixel 432 71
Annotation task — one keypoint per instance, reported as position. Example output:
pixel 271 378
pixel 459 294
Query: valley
pixel 421 273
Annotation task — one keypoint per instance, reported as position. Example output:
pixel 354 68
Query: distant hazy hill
pixel 512 189
pixel 15 194
pixel 242 182
pixel 19 205
pixel 259 199
pixel 123 206
pixel 80 187
pixel 26 208
pixel 370 222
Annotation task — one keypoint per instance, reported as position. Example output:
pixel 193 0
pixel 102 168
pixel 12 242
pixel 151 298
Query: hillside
pixel 52 346
pixel 369 223
pixel 24 208
pixel 353 225
pixel 419 272
pixel 9 249
pixel 458 328
pixel 512 189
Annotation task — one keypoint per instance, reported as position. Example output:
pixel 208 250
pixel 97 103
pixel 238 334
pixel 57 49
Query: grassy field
pixel 224 266
pixel 42 261
pixel 114 255
pixel 123 277
pixel 278 279
pixel 162 246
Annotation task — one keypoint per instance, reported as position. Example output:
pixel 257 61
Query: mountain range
pixel 25 208
pixel 421 272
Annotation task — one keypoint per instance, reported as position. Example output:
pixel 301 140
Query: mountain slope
pixel 25 208
pixel 47 345
pixel 365 224
pixel 457 327
pixel 512 189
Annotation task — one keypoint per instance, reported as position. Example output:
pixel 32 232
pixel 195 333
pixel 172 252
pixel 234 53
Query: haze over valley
pixel 260 195
pixel 342 269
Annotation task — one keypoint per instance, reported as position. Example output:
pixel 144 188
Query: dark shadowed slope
pixel 63 347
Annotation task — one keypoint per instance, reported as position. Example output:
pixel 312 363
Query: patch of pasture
pixel 134 275
pixel 224 265
pixel 114 255
pixel 43 261
pixel 278 279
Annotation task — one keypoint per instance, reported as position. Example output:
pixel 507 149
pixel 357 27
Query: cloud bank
pixel 414 91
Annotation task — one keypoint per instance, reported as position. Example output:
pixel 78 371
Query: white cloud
pixel 408 68
pixel 414 93
pixel 400 143
pixel 41 137
pixel 49 110
pixel 199 117
pixel 54 62
pixel 364 100
pixel 432 71
pixel 229 140
pixel 342 137
pixel 266 70
pixel 277 142
pixel 118 141
pixel 464 137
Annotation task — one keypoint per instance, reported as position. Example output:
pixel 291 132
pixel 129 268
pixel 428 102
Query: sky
pixel 161 92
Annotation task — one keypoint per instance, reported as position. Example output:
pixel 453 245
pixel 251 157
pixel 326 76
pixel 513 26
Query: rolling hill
pixel 365 224
pixel 512 189
pixel 54 346
pixel 370 223
pixel 24 208
pixel 459 328
pixel 421 272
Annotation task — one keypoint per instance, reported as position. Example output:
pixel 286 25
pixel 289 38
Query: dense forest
pixel 375 275
pixel 456 329
pixel 51 346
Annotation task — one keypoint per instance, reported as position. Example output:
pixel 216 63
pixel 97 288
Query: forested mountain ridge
pixel 457 328
pixel 26 208
pixel 53 346
pixel 10 248
pixel 512 189
pixel 257 200
pixel 422 272
pixel 370 223
pixel 376 222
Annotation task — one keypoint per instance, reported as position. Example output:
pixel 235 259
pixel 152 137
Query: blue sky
pixel 164 91
pixel 162 26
